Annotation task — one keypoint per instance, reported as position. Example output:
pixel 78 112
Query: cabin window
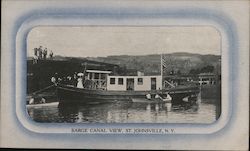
pixel 103 76
pixel 96 76
pixel 140 81
pixel 120 81
pixel 112 80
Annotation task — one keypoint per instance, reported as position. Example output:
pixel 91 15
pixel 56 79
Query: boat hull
pixel 68 94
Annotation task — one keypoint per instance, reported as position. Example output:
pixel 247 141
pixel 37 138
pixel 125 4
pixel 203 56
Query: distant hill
pixel 182 63
pixel 150 64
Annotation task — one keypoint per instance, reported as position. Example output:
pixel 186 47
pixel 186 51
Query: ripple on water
pixel 123 112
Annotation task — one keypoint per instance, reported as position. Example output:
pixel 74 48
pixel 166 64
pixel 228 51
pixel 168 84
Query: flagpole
pixel 161 65
pixel 162 71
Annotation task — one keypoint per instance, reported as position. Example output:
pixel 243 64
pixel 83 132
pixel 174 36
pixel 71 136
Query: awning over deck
pixel 98 71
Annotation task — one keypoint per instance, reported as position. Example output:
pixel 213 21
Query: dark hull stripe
pixel 71 94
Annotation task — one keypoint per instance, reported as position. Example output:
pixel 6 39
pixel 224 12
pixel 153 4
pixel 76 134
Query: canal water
pixel 124 112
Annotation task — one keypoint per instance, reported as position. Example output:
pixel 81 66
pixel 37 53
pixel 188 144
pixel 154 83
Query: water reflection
pixel 125 112
pixel 68 113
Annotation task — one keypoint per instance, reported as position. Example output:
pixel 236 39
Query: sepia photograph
pixel 124 74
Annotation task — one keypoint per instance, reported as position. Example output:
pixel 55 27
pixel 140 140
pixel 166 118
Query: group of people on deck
pixel 77 80
pixel 41 54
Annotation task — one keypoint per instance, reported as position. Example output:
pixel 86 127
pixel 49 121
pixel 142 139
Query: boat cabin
pixel 134 83
pixel 103 80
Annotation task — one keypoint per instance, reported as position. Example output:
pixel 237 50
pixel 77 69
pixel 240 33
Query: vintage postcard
pixel 124 74
pixel 121 75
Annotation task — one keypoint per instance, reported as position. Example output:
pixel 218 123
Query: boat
pixel 103 86
pixel 69 94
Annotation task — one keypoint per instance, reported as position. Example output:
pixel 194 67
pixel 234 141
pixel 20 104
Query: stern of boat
pixel 184 95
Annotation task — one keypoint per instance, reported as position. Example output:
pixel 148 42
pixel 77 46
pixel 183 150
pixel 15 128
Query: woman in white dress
pixel 79 82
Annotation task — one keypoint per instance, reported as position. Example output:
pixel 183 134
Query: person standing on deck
pixel 74 81
pixel 80 82
pixel 54 79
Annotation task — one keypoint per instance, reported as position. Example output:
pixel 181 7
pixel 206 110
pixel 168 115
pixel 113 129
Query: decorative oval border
pixel 114 16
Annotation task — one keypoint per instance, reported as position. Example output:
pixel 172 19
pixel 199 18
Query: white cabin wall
pixel 159 82
pixel 144 87
pixel 116 86
pixel 147 83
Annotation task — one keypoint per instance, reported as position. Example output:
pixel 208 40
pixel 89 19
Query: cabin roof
pixel 98 71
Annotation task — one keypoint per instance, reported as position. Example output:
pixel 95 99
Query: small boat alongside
pixel 42 104
pixel 153 99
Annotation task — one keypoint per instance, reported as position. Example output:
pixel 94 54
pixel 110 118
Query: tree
pixel 206 69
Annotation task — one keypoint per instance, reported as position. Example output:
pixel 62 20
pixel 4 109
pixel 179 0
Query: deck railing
pixel 96 84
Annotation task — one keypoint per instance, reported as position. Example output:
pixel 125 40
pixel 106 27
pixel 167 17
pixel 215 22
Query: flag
pixel 164 63
pixel 166 66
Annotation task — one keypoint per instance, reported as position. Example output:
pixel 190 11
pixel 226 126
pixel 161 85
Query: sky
pixel 102 41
